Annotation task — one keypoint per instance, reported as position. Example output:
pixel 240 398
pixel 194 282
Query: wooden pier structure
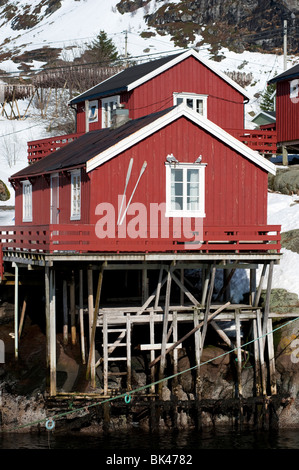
pixel 165 312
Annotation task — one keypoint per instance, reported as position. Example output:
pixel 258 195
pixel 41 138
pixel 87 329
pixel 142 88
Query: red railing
pixel 263 141
pixel 38 149
pixel 83 239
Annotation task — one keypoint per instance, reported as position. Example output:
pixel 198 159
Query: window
pixel 185 190
pixel 76 195
pixel 294 88
pixel 93 111
pixel 108 106
pixel 196 102
pixel 27 201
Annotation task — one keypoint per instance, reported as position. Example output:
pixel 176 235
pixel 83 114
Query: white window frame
pixel 294 88
pixel 93 117
pixel 193 97
pixel 27 201
pixel 185 212
pixel 108 105
pixel 75 195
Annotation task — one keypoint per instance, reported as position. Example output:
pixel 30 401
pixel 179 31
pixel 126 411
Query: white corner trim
pixel 179 59
pixel 168 118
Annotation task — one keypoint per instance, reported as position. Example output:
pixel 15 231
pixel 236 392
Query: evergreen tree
pixel 101 50
pixel 267 103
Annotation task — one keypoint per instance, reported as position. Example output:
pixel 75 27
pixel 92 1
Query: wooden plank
pixel 152 352
pixel 22 316
pixel 129 358
pixel 239 353
pixel 65 312
pixel 261 352
pixel 207 311
pixel 185 290
pixel 258 384
pixel 155 346
pixel 197 345
pixel 267 301
pixel 271 356
pixel 164 331
pixel 105 354
pixel 213 315
pixel 158 290
pixel 73 310
pixel 90 363
pixel 81 318
pixel 52 333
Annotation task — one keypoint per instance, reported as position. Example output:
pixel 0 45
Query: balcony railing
pixel 263 141
pixel 83 239
pixel 38 149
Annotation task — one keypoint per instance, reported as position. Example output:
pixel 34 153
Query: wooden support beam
pixel 73 309
pixel 52 328
pixel 213 315
pixel 22 316
pixel 258 383
pixel 65 312
pixel 185 290
pixel 158 290
pixel 105 353
pixel 47 314
pixel 272 374
pixel 81 319
pixel 91 357
pixel 239 353
pixel 267 302
pixel 205 284
pixel 252 286
pixel 16 310
pixel 259 290
pixel 90 313
pixel 197 345
pixel 164 331
pixel 227 280
pixel 152 352
pixel 261 352
pixel 207 311
pixel 129 358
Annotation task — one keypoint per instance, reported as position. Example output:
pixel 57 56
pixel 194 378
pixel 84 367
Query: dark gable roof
pixel 287 75
pixel 87 146
pixel 121 80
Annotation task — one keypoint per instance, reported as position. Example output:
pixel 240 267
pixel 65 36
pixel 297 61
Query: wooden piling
pixel 65 312
pixel 73 309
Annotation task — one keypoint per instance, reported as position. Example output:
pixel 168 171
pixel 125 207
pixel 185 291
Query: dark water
pixel 139 441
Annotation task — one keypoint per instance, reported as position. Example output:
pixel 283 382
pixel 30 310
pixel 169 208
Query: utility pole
pixel 285 43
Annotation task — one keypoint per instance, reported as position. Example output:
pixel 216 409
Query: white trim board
pixel 172 115
pixel 180 58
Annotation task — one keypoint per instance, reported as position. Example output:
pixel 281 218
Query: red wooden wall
pixel 287 114
pixel 225 104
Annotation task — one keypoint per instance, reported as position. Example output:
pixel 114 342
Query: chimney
pixel 120 116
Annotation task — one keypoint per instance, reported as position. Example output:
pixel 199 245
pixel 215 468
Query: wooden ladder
pixel 123 340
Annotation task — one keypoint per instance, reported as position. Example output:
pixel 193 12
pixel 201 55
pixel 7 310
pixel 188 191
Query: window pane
pixel 199 106
pixel 176 175
pixel 179 100
pixel 189 103
pixel 192 203
pixel 177 203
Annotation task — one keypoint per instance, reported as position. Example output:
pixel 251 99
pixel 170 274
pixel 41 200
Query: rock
pixel 290 240
pixel 281 301
pixel 286 181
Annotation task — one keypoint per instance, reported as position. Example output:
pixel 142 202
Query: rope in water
pixel 50 422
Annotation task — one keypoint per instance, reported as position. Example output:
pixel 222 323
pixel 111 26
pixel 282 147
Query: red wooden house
pixel 166 187
pixel 287 108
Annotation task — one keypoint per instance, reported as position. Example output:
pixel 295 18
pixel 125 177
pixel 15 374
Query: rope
pixel 127 395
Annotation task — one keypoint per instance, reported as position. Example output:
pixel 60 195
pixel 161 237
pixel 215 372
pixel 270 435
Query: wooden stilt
pixel 73 309
pixel 158 289
pixel 259 290
pixel 175 351
pixel 144 285
pixel 90 314
pixel 105 353
pixel 81 319
pixel 129 358
pixel 261 351
pixel 252 285
pixel 205 285
pixel 239 353
pixel 52 333
pixel 91 357
pixel 197 345
pixel 182 282
pixel 258 385
pixel 152 351
pixel 267 302
pixel 16 310
pixel 22 316
pixel 164 332
pixel 65 312
pixel 47 314
pixel 273 386
pixel 207 311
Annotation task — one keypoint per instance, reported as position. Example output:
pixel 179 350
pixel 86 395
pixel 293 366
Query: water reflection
pixel 179 441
